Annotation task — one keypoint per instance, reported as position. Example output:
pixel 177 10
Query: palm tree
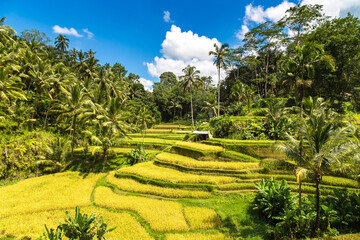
pixel 329 146
pixel 189 79
pixel 144 118
pixel 71 106
pixel 9 86
pixel 243 93
pixel 301 63
pixel 61 43
pixel 221 61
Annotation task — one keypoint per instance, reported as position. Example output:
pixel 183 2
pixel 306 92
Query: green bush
pixel 81 227
pixel 273 198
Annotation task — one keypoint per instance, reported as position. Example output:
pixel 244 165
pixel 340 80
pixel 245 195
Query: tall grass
pixel 149 170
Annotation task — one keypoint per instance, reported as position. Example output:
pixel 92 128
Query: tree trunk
pixel 143 138
pixel 192 111
pixel 33 114
pixel 105 159
pixel 47 112
pixel 317 220
pixel 219 91
pixel 300 205
pixel 73 136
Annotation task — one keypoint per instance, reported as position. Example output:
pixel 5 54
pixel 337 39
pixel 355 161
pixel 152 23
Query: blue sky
pixel 138 34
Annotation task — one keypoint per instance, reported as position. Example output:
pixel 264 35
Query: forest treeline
pixel 54 98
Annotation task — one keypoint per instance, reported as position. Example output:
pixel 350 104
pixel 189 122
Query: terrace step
pixel 211 166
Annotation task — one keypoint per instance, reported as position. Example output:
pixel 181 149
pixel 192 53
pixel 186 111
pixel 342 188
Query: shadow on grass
pixel 88 163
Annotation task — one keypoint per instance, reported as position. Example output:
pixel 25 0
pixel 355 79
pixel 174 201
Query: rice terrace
pixel 254 140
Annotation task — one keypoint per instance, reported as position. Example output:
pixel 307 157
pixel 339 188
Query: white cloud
pixel 147 83
pixel 180 49
pixel 335 8
pixel 90 35
pixel 241 33
pixel 166 16
pixel 186 45
pixel 66 31
pixel 258 15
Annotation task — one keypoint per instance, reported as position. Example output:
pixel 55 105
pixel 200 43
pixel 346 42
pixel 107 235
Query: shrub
pixel 137 155
pixel 80 227
pixel 273 198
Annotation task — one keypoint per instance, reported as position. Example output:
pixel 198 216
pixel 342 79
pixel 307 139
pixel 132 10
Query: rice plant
pixel 160 214
pixel 200 146
pixel 58 191
pixel 149 170
pixel 202 218
pixel 131 185
pixel 190 162
pixel 197 236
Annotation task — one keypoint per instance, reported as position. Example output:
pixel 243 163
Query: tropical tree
pixel 221 61
pixel 144 118
pixel 71 106
pixel 300 65
pixel 243 93
pixel 190 80
pixel 330 147
pixel 9 86
pixel 61 43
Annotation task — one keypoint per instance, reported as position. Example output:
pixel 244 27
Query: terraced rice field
pixel 159 199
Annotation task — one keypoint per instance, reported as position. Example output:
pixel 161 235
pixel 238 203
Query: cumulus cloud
pixel 336 8
pixel 147 83
pixel 241 33
pixel 66 31
pixel 258 14
pixel 166 16
pixel 180 49
pixel 90 35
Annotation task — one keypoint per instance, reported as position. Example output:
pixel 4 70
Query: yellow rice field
pixel 202 218
pixel 197 236
pixel 158 130
pixel 160 214
pixel 51 192
pixel 200 146
pixel 190 162
pixel 32 225
pixel 134 186
pixel 149 170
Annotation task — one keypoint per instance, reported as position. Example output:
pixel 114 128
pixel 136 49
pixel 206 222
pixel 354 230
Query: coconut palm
pixel 144 118
pixel 243 93
pixel 329 147
pixel 9 86
pixel 61 43
pixel 71 106
pixel 301 63
pixel 191 80
pixel 221 55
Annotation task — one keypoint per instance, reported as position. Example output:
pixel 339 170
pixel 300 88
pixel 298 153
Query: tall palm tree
pixel 145 118
pixel 190 80
pixel 221 55
pixel 301 63
pixel 71 106
pixel 61 43
pixel 9 86
pixel 242 93
pixel 330 146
